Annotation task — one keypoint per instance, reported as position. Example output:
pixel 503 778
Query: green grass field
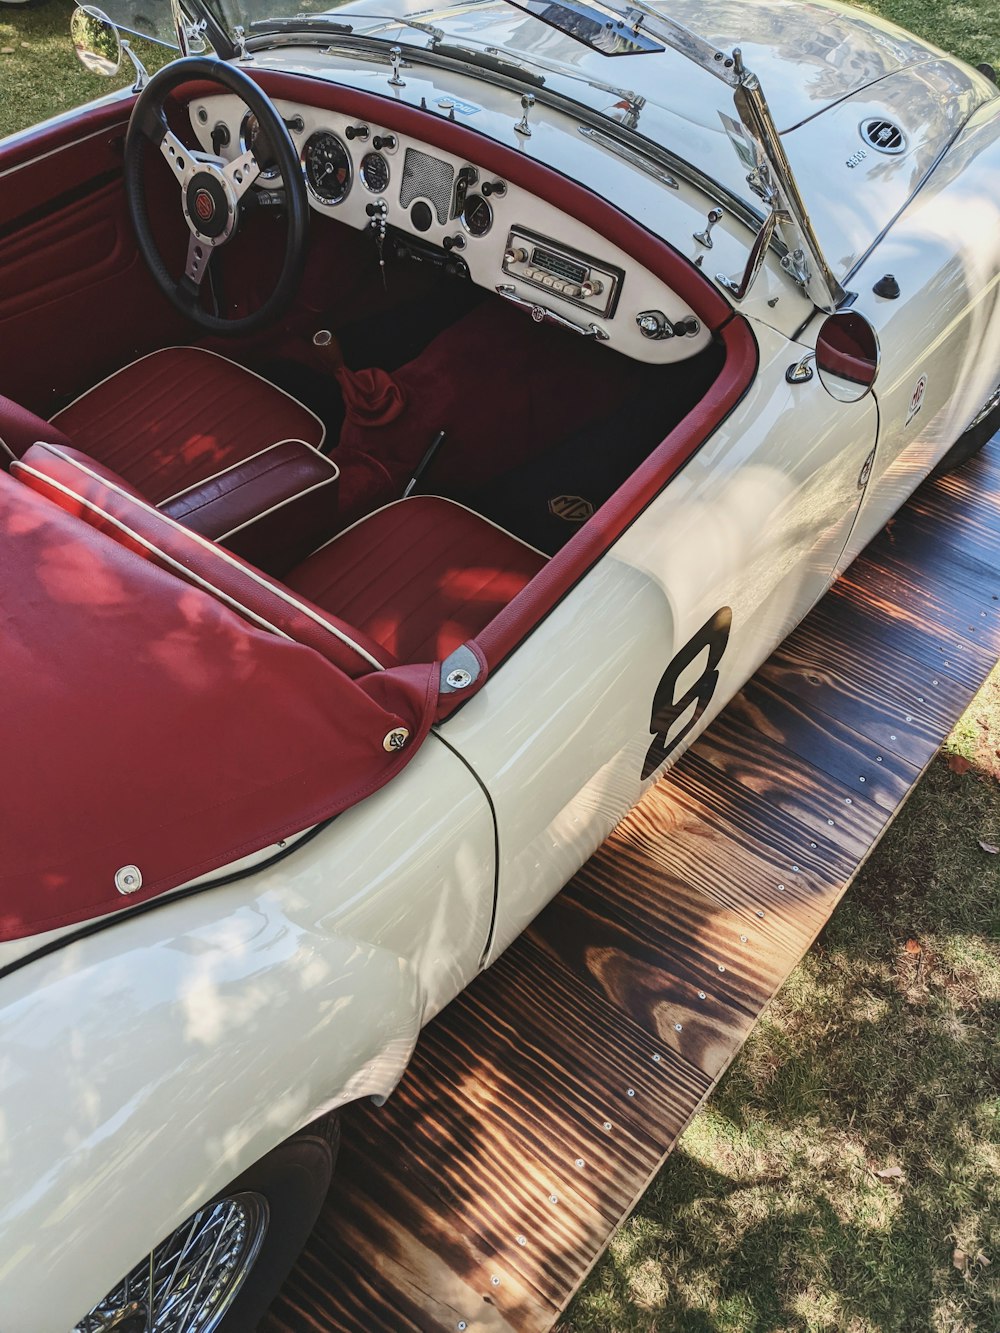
pixel 881 1054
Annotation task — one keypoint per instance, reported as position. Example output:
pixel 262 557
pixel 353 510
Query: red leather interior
pixel 153 727
pixel 419 577
pixel 501 388
pixel 150 534
pixel 273 509
pixel 19 429
pixel 594 538
pixel 178 416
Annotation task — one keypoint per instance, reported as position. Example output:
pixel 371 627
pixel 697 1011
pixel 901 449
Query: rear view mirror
pixel 847 356
pixel 96 41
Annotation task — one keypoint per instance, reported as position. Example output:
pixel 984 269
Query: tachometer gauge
pixel 374 172
pixel 251 138
pixel 477 216
pixel 327 166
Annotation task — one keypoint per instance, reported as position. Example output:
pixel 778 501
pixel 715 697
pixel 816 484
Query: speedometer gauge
pixel 477 216
pixel 374 172
pixel 327 166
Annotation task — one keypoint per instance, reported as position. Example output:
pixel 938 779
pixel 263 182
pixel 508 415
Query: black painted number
pixel 667 707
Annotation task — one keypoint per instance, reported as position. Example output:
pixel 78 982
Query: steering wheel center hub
pixel 207 206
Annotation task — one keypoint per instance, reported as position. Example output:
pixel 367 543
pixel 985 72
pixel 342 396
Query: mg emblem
pixel 204 206
pixel 573 508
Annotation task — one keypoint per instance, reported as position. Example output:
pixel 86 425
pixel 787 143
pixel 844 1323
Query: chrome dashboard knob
pixel 516 255
pixel 591 287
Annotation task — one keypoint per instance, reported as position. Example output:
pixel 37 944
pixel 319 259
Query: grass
pixel 881 1052
pixel 39 72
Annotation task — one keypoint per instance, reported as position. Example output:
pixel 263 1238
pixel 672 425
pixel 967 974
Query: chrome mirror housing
pixel 99 45
pixel 96 41
pixel 847 356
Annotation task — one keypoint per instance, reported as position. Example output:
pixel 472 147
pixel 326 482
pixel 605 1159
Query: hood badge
pixel 883 135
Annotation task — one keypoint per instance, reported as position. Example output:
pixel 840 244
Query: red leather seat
pixel 419 577
pixel 407 584
pixel 179 416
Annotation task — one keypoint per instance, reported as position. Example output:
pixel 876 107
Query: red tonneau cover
pixel 143 723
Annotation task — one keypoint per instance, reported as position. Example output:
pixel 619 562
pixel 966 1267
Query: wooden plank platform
pixel 542 1101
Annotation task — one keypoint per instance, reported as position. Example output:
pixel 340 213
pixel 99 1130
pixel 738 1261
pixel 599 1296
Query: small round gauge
pixel 477 216
pixel 327 166
pixel 250 138
pixel 374 172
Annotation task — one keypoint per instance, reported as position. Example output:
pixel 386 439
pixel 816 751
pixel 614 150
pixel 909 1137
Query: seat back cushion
pixel 179 415
pixel 19 429
pixel 107 505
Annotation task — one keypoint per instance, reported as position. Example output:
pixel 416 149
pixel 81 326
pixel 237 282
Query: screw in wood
pixel 580 1163
pixel 743 939
pixel 656 1058
pixel 630 1092
pixel 678 1027
pixel 495 1281
pixel 701 995
pixel 607 1125
pixel 521 1240
pixel 722 967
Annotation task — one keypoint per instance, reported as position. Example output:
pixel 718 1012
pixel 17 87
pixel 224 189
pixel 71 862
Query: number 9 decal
pixel 667 707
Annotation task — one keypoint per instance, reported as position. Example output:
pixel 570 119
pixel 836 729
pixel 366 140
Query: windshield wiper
pixel 301 23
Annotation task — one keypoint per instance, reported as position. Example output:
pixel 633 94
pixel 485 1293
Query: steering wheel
pixel 212 191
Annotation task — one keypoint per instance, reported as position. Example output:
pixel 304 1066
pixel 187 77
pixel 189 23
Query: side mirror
pixel 96 41
pixel 847 356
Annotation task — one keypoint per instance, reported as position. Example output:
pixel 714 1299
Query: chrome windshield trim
pixel 655 158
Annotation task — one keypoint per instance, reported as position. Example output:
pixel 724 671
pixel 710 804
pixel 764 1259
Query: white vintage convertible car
pixel 417 423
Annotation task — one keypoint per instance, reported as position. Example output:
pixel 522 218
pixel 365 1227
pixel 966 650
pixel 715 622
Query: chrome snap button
pixel 128 879
pixel 395 739
pixel 459 678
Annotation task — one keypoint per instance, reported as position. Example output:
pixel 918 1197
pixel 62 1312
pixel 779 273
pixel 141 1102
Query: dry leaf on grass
pixel 890 1173
pixel 911 946
pixel 958 763
pixel 982 1260
pixel 960 1260
pixel 990 847
pixel 6 50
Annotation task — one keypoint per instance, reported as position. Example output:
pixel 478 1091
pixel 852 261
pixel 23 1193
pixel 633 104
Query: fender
pixel 146 1066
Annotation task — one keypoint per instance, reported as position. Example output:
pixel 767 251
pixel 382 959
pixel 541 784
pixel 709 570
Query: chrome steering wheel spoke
pixel 199 255
pixel 242 172
pixel 182 161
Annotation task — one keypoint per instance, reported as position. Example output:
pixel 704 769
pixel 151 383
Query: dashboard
pixel 423 202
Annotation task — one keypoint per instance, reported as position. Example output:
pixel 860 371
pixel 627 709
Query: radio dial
pixel 516 255
pixel 592 287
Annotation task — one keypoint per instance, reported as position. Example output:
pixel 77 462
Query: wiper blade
pixel 490 60
pixel 301 23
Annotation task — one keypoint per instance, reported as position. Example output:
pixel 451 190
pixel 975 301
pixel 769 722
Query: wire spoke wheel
pixel 192 1278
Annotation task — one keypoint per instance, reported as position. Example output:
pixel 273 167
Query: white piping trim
pixel 299 495
pixel 62 148
pixel 219 551
pixel 8 450
pixel 188 575
pixel 249 459
pixel 204 352
pixel 445 500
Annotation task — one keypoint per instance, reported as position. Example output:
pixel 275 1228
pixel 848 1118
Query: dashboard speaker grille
pixel 426 177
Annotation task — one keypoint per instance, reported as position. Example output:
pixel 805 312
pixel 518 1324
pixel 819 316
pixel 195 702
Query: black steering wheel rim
pixel 148 124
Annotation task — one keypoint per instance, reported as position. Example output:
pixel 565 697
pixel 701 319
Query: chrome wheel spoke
pixel 190 1280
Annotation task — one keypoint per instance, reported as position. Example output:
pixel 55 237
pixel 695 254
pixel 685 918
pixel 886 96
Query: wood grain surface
pixel 541 1102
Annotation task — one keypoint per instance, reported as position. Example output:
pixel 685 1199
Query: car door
pixel 639 656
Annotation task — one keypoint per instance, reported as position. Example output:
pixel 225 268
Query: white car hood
pixel 825 69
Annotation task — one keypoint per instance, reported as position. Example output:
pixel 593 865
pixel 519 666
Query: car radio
pixel 566 273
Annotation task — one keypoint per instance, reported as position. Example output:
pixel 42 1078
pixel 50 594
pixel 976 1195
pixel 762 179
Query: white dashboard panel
pixel 550 274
